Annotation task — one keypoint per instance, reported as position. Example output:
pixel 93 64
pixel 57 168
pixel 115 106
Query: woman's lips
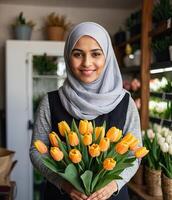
pixel 88 72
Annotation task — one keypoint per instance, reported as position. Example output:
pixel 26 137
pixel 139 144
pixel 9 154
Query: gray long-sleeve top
pixel 42 128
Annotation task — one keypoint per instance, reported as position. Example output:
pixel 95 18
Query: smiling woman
pixel 87 60
pixel 93 91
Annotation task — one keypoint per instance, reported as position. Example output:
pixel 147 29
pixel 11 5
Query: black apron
pixel 116 117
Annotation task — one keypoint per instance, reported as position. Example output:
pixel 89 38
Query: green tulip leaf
pixel 71 175
pixel 87 179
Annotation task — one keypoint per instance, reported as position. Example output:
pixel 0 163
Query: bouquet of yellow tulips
pixel 87 156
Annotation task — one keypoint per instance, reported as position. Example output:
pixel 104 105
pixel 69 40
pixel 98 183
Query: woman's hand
pixel 72 192
pixel 105 192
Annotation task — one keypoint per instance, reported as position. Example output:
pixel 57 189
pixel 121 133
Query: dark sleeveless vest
pixel 116 117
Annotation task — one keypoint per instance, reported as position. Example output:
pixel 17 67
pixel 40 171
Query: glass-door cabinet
pixel 33 68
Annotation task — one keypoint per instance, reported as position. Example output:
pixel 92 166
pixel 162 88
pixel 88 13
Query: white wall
pixel 111 19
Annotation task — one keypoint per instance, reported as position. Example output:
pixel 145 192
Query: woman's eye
pixel 77 55
pixel 96 54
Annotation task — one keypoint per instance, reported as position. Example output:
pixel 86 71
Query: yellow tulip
pixel 104 144
pixel 53 139
pixel 73 138
pixel 134 145
pixel 99 130
pixel 56 153
pixel 85 127
pixel 114 134
pixel 141 152
pixel 40 146
pixel 87 139
pixel 90 127
pixel 121 147
pixel 94 150
pixel 128 138
pixel 63 128
pixel 75 156
pixel 109 163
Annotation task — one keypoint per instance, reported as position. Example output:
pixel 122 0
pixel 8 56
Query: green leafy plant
pixel 162 10
pixel 21 20
pixel 150 141
pixel 57 20
pixel 44 64
pixel 161 44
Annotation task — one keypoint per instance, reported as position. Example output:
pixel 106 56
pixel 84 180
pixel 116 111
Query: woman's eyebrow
pixel 82 50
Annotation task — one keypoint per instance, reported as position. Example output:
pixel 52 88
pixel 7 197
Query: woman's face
pixel 87 59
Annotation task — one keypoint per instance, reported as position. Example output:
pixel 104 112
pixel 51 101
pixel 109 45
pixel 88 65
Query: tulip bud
pixel 73 138
pixel 164 147
pixel 40 146
pixel 121 148
pixel 168 139
pixel 75 156
pixel 128 138
pixel 56 153
pixel 114 134
pixel 83 126
pixel 170 149
pixel 141 152
pixel 94 150
pixel 134 145
pixel 53 139
pixel 63 128
pixel 109 163
pixel 90 128
pixel 87 139
pixel 104 144
pixel 100 130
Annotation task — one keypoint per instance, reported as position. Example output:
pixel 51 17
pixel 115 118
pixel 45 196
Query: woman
pixel 93 91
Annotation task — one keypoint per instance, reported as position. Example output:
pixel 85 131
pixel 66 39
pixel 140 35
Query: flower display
pixel 165 143
pixel 150 140
pixel 87 156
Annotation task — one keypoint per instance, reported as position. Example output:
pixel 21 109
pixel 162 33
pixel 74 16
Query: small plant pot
pixel 23 32
pixel 55 33
pixel 166 187
pixel 153 182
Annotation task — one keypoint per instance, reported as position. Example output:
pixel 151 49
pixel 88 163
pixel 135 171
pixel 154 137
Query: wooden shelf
pixel 163 28
pixel 132 69
pixel 140 190
pixel 163 122
pixel 164 64
pixel 164 95
pixel 131 40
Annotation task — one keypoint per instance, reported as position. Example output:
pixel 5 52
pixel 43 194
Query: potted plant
pixel 162 11
pixel 23 28
pixel 151 162
pixel 119 36
pixel 56 26
pixel 165 142
pixel 45 65
pixel 133 23
pixel 160 47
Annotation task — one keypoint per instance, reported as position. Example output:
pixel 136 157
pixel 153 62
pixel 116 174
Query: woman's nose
pixel 87 61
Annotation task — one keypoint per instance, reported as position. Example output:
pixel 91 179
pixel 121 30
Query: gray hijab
pixel 88 101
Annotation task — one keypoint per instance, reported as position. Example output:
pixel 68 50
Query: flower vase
pixel 138 177
pixel 166 187
pixel 153 181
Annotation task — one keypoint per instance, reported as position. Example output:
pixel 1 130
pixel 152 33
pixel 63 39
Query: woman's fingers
pixel 105 192
pixel 75 195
